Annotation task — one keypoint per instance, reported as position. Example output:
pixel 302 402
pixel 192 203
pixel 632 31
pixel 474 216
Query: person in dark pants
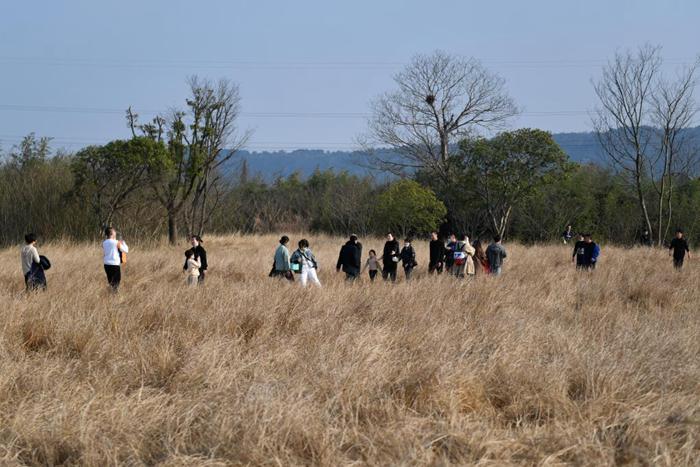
pixel 645 239
pixel 390 258
pixel 568 235
pixel 29 256
pixel 350 259
pixel 437 254
pixel 408 258
pixel 113 250
pixel 450 253
pixel 678 249
pixel 200 255
pixel 586 253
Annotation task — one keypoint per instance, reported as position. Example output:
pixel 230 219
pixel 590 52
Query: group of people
pixel 457 257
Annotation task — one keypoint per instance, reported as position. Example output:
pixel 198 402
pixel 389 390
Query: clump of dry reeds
pixel 542 366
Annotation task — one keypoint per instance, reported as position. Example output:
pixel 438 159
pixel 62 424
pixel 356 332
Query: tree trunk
pixel 172 227
pixel 643 204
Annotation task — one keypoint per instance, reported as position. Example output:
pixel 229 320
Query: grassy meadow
pixel 541 366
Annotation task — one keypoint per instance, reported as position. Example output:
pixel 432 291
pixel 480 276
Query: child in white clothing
pixel 192 271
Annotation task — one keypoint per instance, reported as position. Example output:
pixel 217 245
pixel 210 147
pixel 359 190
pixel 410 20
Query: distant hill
pixel 581 147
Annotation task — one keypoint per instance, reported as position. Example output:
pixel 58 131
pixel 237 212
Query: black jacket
pixel 408 257
pixel 391 250
pixel 200 254
pixel 350 258
pixel 437 252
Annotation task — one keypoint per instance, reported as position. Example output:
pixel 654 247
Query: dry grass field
pixel 542 366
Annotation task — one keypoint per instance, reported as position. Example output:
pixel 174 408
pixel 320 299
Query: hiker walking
pixel 200 255
pixel 481 262
pixel 450 253
pixel 33 265
pixel 305 259
pixel 496 253
pixel 114 254
pixel 390 258
pixel 281 265
pixel 408 258
pixel 678 249
pixel 568 235
pixel 645 239
pixel 586 253
pixel 463 258
pixel 350 259
pixel 373 265
pixel 437 254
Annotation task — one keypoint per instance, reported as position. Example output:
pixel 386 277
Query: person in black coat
pixel 200 255
pixel 437 254
pixel 408 258
pixel 390 257
pixel 350 258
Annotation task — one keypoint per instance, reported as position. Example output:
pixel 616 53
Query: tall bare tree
pixel 440 99
pixel 200 140
pixel 640 126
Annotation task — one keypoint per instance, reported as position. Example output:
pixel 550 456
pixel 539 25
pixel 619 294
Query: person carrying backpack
pixel 463 258
pixel 114 254
pixel 408 258
pixel 307 264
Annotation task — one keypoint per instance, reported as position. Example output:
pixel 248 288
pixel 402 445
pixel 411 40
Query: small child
pixel 373 265
pixel 192 271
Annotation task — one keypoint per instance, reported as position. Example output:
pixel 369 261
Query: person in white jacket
pixel 113 251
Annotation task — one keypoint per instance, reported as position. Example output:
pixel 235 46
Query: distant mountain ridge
pixel 581 147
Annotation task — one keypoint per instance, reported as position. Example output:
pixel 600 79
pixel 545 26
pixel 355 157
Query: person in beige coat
pixel 464 258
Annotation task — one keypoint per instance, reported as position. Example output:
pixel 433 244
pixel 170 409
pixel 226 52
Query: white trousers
pixel 309 274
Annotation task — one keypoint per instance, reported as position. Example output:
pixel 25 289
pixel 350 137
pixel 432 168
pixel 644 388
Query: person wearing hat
pixel 281 267
pixel 199 255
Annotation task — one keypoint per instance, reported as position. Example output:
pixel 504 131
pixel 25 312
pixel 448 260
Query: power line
pixel 321 115
pixel 130 63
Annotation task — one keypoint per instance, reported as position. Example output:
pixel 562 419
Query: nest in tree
pixel 430 99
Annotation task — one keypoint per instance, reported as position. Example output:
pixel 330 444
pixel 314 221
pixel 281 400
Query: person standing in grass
pixel 192 268
pixel 579 254
pixel 408 258
pixel 568 235
pixel 496 255
pixel 31 262
pixel 373 265
pixel 114 252
pixel 281 266
pixel 450 253
pixel 390 258
pixel 308 265
pixel 678 249
pixel 200 256
pixel 464 258
pixel 437 254
pixel 586 253
pixel 350 259
pixel 481 263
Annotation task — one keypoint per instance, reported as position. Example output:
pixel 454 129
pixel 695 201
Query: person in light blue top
pixel 282 267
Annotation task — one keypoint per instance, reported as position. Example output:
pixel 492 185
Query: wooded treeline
pixel 173 175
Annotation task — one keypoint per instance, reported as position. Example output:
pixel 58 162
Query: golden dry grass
pixel 542 366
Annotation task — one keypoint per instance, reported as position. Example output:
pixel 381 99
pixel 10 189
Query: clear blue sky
pixel 69 68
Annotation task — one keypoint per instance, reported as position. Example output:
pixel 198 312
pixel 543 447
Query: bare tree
pixel 199 141
pixel 674 109
pixel 640 125
pixel 440 99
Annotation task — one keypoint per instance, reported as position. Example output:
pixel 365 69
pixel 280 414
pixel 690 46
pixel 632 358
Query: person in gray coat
pixel 281 267
pixel 496 254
